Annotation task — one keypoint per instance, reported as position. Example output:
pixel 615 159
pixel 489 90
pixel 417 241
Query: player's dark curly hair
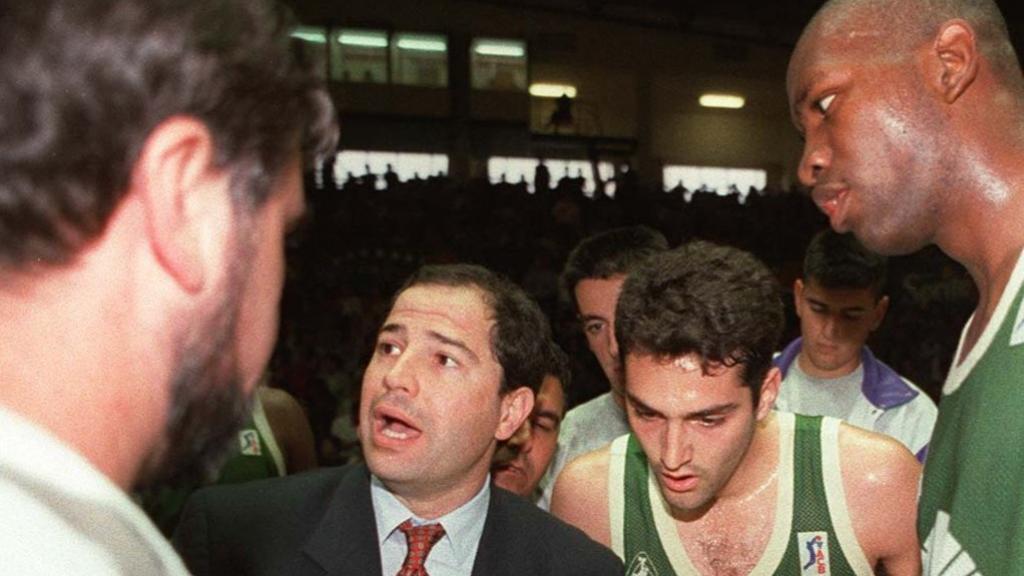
pixel 714 301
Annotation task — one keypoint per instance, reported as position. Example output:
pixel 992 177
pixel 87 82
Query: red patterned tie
pixel 420 539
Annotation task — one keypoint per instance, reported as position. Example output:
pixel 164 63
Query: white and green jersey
pixel 812 532
pixel 971 510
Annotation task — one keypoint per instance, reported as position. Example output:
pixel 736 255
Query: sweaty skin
pixel 915 140
pixel 693 427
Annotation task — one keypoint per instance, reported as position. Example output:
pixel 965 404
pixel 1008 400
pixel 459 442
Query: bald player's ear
pixel 957 51
pixel 516 407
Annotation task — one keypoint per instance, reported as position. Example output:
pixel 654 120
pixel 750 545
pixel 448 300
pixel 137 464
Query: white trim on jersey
pixel 835 495
pixel 259 419
pixel 665 524
pixel 779 541
pixel 958 372
pixel 616 494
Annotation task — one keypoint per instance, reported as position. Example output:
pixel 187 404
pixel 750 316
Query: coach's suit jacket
pixel 322 523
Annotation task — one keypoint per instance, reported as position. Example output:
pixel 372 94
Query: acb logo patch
pixel 249 441
pixel 814 553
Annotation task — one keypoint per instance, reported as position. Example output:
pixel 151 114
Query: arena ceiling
pixel 771 22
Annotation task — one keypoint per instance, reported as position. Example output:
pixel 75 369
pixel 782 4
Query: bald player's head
pixel 896 27
pixel 910 110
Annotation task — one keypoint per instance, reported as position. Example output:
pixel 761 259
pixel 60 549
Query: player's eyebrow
pixel 716 410
pixel 796 107
pixel 640 404
pixel 549 414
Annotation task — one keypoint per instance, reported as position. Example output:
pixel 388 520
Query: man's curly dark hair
pixel 718 302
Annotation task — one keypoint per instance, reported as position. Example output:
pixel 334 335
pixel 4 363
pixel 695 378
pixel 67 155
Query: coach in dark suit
pixel 454 372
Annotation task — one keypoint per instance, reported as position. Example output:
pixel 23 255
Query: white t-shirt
pixel 910 423
pixel 587 427
pixel 59 515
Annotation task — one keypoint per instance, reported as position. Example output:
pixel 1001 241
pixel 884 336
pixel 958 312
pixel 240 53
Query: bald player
pixel 711 480
pixel 913 118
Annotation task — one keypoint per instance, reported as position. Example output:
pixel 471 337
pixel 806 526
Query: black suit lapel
pixel 345 541
pixel 494 555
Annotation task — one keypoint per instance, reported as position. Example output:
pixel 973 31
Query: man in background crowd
pixel 520 463
pixel 829 371
pixel 592 278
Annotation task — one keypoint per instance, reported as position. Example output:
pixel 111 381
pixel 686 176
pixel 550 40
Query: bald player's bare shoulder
pixel 581 494
pixel 880 481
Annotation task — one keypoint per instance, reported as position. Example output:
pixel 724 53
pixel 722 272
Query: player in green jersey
pixel 913 118
pixel 711 480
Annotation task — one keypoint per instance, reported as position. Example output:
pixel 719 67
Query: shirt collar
pixel 882 386
pixel 38 453
pixel 41 457
pixel 462 526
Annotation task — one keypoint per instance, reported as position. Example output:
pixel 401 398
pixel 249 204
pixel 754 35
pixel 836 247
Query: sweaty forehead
pixel 839 297
pixel 864 29
pixel 820 45
pixel 821 55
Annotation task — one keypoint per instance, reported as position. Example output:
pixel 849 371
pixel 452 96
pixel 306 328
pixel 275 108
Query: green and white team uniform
pixel 812 533
pixel 971 510
pixel 256 456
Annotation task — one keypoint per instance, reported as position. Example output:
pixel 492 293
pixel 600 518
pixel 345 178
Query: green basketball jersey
pixel 812 533
pixel 256 455
pixel 254 459
pixel 971 510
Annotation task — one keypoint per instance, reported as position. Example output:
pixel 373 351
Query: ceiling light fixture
pixel 731 101
pixel 364 39
pixel 422 44
pixel 546 90
pixel 506 49
pixel 310 36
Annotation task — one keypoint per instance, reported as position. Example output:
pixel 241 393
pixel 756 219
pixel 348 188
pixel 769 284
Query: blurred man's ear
pixel 798 294
pixel 187 201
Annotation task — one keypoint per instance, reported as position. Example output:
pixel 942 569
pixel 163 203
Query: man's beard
pixel 208 403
